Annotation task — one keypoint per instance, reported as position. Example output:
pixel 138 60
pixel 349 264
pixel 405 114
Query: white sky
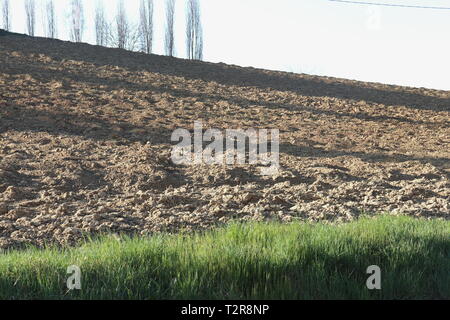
pixel 382 44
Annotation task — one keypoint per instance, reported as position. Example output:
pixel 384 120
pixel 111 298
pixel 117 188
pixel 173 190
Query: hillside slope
pixel 85 144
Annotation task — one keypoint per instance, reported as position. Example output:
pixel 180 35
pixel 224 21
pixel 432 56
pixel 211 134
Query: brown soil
pixel 85 144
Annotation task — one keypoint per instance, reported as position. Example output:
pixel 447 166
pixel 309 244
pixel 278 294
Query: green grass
pixel 245 261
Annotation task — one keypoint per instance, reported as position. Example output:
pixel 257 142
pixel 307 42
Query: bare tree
pixel 49 19
pixel 76 21
pixel 194 32
pixel 30 13
pixel 6 15
pixel 125 35
pixel 101 25
pixel 121 25
pixel 169 43
pixel 146 25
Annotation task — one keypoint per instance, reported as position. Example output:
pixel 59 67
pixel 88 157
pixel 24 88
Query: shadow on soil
pixel 82 125
pixel 230 75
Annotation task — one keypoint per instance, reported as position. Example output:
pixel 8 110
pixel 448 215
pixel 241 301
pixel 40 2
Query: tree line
pixel 121 32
